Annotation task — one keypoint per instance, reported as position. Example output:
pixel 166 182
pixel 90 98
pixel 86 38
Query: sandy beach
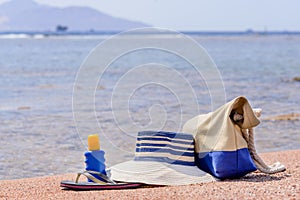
pixel 70 69
pixel 285 185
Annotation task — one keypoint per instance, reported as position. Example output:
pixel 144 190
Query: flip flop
pixel 104 184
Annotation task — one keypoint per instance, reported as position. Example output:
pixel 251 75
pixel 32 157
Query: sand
pixel 256 185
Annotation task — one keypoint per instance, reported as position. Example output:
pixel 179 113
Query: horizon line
pixel 188 32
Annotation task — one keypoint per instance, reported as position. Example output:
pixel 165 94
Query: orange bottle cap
pixel 93 142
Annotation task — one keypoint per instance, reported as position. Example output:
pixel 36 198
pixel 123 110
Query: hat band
pixel 189 148
pixel 168 147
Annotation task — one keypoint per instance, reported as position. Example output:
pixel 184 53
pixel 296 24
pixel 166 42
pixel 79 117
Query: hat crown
pixel 167 147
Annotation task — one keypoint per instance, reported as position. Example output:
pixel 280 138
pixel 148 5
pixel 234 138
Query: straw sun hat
pixel 161 158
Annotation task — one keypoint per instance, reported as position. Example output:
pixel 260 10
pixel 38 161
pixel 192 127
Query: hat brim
pixel 158 173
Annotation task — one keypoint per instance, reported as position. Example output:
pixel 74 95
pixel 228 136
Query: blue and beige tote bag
pixel 220 147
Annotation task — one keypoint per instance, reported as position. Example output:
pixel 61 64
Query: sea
pixel 47 109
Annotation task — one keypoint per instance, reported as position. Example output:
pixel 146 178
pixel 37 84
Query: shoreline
pixel 284 185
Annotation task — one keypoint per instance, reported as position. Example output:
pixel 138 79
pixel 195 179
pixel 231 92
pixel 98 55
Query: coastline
pixel 285 185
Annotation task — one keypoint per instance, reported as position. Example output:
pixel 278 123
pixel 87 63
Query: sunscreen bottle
pixel 94 157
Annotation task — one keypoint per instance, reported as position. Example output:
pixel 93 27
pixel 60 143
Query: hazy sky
pixel 200 14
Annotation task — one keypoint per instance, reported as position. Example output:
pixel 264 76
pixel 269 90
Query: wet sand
pixel 285 185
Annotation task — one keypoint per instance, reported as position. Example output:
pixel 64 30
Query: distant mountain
pixel 27 15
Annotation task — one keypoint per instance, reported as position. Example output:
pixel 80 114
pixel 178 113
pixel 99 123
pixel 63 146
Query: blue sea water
pixel 38 135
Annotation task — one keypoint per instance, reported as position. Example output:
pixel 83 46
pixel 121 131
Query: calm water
pixel 37 132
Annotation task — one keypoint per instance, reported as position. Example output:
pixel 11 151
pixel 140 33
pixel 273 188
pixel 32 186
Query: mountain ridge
pixel 27 15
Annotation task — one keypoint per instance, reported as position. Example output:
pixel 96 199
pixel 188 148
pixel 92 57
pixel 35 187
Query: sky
pixel 200 15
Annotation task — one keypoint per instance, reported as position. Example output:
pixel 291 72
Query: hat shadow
pixel 256 177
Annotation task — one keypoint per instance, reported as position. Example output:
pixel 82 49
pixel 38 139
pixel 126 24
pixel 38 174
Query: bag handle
pixel 248 135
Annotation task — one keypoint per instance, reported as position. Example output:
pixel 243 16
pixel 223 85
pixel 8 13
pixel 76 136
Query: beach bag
pixel 222 140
